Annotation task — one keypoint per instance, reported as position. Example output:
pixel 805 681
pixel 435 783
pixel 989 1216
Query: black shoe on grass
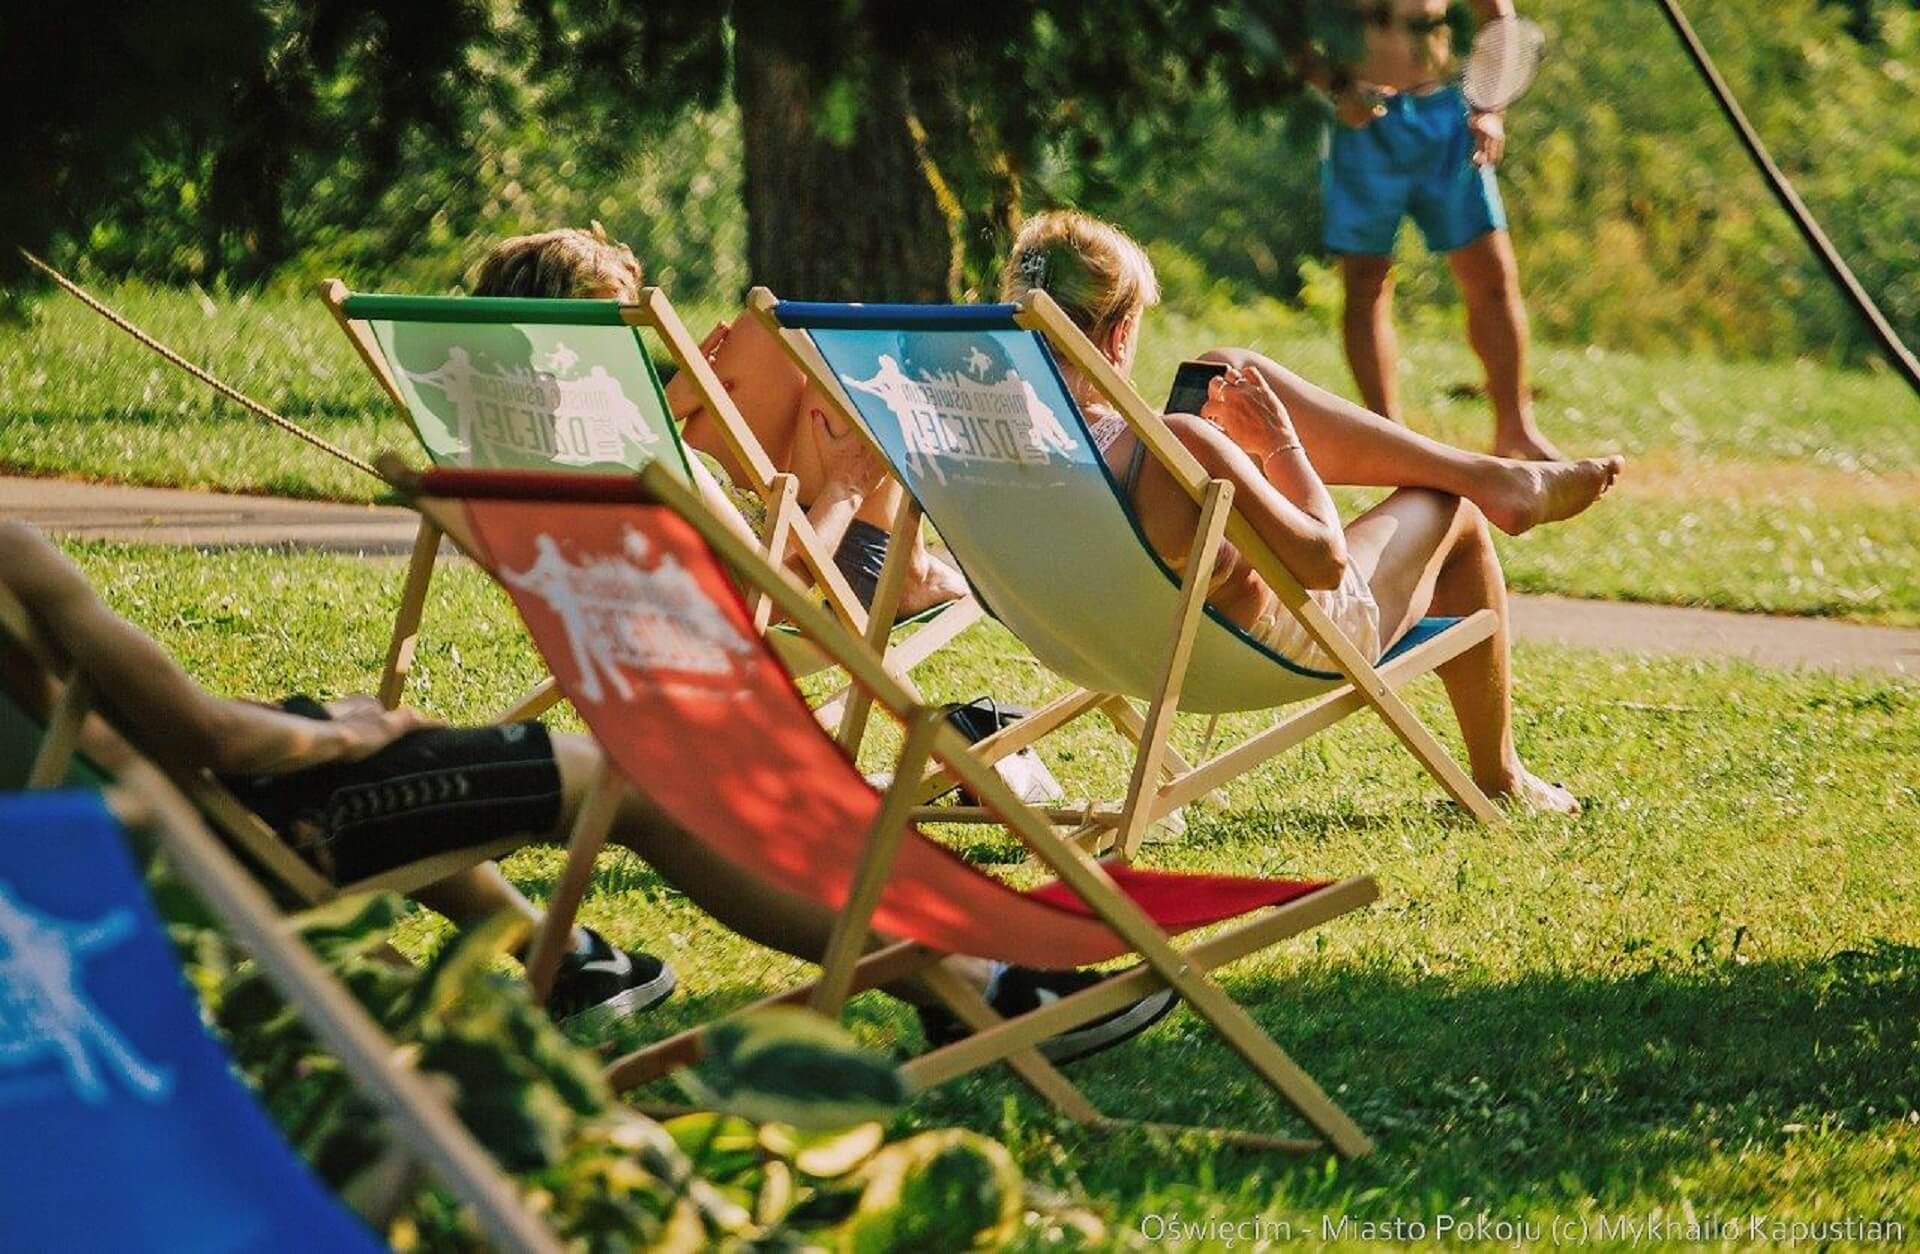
pixel 599 980
pixel 1018 990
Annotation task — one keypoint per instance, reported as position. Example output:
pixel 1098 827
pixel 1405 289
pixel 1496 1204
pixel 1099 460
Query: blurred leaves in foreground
pixel 793 1153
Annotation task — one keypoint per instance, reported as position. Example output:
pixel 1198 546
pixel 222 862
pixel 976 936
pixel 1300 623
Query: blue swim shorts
pixel 1418 161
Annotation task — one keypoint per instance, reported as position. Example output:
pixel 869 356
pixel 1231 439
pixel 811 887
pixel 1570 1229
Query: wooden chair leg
pixel 1127 721
pixel 1185 973
pixel 782 501
pixel 536 701
pixel 901 960
pixel 55 755
pixel 584 843
pixel 880 618
pixel 406 624
pixel 850 930
pixel 968 1006
pixel 1195 583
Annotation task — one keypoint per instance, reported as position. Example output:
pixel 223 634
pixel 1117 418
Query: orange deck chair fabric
pixel 651 642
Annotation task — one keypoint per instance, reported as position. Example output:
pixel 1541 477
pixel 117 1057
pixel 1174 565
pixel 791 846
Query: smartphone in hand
pixel 1190 382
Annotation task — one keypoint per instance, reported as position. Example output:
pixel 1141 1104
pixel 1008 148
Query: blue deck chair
pixel 512 384
pixel 968 405
pixel 126 1128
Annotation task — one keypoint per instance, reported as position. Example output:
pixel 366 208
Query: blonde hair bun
pixel 1097 273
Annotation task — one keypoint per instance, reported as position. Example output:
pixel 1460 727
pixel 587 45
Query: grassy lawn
pixel 1699 1000
pixel 1779 486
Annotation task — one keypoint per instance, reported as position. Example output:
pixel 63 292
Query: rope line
pixel 231 393
pixel 1898 354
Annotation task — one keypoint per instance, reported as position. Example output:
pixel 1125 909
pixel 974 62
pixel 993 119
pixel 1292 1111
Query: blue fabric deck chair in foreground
pixel 968 405
pixel 122 1125
pixel 495 383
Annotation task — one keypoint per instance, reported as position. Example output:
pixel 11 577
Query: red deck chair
pixel 651 641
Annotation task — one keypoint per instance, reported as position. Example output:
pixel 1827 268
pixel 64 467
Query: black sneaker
pixel 598 979
pixel 1020 989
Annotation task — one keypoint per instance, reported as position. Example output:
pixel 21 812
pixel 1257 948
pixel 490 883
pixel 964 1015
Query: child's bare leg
pixel 930 580
pixel 475 894
pixel 1427 552
pixel 1350 445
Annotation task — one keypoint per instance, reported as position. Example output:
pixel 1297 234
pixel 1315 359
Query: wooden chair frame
pixel 787 530
pixel 421 1120
pixel 856 959
pixel 1162 781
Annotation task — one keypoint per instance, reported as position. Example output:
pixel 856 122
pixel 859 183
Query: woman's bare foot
pixel 1527 791
pixel 1525 494
pixel 1528 446
pixel 932 582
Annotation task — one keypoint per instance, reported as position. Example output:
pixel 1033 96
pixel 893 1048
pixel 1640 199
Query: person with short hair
pixel 1425 549
pixel 1405 143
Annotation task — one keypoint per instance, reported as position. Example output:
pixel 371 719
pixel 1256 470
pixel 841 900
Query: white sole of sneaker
pixel 630 1002
pixel 1082 1042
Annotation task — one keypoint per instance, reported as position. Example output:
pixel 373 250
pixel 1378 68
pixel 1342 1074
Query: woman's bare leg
pixel 1427 552
pixel 1350 445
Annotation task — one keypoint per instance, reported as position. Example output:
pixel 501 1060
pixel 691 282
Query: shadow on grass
pixel 1546 1086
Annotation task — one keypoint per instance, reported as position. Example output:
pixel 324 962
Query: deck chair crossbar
pixel 913 379
pixel 880 877
pixel 568 385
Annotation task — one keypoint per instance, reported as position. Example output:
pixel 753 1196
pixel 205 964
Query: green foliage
pixel 399 152
pixel 813 1169
pixel 1638 220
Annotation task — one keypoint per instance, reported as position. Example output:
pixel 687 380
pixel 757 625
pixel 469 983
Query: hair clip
pixel 1033 268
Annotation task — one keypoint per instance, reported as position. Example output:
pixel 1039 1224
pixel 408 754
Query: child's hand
pixel 1243 405
pixel 850 462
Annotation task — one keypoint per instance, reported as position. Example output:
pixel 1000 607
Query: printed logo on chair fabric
pixel 46 1015
pixel 510 413
pixel 967 415
pixel 630 615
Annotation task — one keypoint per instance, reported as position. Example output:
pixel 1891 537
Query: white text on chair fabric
pixel 515 396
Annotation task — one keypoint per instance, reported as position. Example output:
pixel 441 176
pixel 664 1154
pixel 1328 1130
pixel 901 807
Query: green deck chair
pixel 512 384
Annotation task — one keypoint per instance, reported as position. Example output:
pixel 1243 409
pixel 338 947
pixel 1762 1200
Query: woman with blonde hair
pixel 1280 440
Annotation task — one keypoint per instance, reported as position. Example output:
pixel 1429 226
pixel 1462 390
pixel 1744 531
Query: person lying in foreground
pixel 1425 549
pixel 356 790
pixel 787 416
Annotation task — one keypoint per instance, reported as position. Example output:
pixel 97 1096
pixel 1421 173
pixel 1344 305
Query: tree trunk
pixel 826 220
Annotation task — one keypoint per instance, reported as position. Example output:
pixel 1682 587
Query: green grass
pixel 1701 998
pixel 1758 486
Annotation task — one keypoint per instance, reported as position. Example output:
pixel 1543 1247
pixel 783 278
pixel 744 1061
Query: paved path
pixel 209 520
pixel 95 511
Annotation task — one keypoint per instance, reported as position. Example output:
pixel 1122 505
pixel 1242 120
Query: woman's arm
pixel 1312 547
pixel 165 711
